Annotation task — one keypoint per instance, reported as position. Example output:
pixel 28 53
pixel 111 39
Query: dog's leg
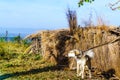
pixel 82 71
pixel 78 69
pixel 89 67
pixel 90 74
pixel 71 65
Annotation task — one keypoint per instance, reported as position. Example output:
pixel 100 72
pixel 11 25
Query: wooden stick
pixel 115 40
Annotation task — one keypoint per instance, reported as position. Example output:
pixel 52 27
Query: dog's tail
pixel 89 53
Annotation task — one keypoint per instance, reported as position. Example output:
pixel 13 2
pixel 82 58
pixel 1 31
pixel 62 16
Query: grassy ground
pixel 29 67
pixel 15 65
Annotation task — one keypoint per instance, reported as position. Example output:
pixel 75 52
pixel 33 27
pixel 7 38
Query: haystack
pixel 55 44
pixel 35 46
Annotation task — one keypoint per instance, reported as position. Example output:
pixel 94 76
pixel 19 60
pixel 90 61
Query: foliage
pixel 1 52
pixel 81 2
pixel 26 42
pixel 29 67
pixel 10 50
pixel 112 6
pixel 17 39
pixel 15 65
pixel 2 39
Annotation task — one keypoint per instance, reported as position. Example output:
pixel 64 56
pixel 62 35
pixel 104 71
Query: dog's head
pixel 75 53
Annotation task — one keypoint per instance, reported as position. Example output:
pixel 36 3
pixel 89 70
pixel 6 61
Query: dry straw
pixel 57 43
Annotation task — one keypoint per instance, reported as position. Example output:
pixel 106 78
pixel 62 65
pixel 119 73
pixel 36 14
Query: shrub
pixel 37 57
pixel 2 39
pixel 9 65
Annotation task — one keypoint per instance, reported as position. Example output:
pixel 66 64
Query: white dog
pixel 83 60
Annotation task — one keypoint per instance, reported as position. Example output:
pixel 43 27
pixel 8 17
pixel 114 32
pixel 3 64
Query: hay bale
pixel 56 44
pixel 53 44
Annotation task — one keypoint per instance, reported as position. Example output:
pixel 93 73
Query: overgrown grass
pixel 10 50
pixel 15 65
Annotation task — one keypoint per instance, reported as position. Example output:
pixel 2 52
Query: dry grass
pixel 57 46
pixel 31 67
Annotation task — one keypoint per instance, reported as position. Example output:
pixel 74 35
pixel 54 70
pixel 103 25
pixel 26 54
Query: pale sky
pixel 51 14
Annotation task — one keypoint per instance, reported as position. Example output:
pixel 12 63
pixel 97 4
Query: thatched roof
pixel 31 36
pixel 38 34
pixel 115 31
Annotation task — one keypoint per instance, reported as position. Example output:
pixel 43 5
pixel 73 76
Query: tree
pixel 81 2
pixel 112 6
pixel 17 38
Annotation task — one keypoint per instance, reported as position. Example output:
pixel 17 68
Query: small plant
pixel 2 53
pixel 37 57
pixel 17 39
pixel 26 42
pixel 2 39
pixel 8 65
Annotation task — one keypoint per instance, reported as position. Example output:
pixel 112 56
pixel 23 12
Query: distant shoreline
pixel 13 35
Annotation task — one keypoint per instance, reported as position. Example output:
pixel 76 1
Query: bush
pixel 8 65
pixel 2 39
pixel 26 42
pixel 37 57
pixel 2 53
pixel 17 39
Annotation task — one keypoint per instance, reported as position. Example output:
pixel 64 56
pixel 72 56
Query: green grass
pixel 29 67
pixel 15 65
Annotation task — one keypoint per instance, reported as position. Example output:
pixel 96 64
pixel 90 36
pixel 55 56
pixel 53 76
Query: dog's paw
pixel 78 75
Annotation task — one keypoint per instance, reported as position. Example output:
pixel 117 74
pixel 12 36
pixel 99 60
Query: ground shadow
pixel 32 71
pixel 108 74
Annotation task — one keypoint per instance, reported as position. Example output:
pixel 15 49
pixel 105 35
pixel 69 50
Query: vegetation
pixel 81 2
pixel 112 6
pixel 15 65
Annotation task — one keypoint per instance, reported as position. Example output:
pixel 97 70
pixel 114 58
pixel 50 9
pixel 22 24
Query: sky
pixel 28 16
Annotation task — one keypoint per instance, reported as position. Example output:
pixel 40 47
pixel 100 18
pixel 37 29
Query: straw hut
pixel 35 46
pixel 55 44
pixel 104 40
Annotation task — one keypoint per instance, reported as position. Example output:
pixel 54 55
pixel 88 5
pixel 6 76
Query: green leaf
pixel 82 1
pixel 86 0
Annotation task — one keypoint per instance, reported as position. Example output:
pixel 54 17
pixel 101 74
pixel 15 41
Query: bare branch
pixel 114 4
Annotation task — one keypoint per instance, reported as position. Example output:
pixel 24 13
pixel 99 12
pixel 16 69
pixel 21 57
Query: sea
pixel 23 32
pixel 11 36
